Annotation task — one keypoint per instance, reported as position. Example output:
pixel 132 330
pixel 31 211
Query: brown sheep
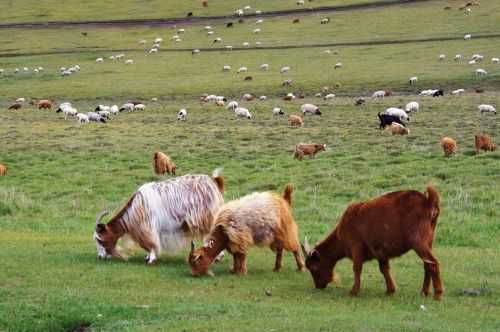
pixel 303 149
pixel 295 121
pixel 3 170
pixel 15 106
pixel 163 164
pixel 260 219
pixel 382 228
pixel 44 104
pixel 398 129
pixel 449 146
pixel 483 142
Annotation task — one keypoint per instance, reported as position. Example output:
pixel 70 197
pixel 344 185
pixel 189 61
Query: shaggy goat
pixel 382 228
pixel 163 164
pixel 398 129
pixel 3 170
pixel 163 216
pixel 260 219
pixel 449 146
pixel 295 121
pixel 483 142
pixel 303 149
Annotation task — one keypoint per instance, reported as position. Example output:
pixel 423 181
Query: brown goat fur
pixel 483 142
pixel 15 106
pixel 44 104
pixel 3 170
pixel 303 149
pixel 398 129
pixel 260 219
pixel 382 228
pixel 449 146
pixel 295 121
pixel 163 164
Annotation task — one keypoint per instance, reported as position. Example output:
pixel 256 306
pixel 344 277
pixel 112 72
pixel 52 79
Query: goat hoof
pixel 438 296
pixel 424 293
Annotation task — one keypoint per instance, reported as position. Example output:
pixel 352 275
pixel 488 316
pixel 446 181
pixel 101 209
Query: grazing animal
pixel 360 102
pixel 449 146
pixel 303 149
pixel 481 72
pixel 127 107
pixel 278 111
pixel 382 228
pixel 295 121
pixel 162 164
pixel 484 108
pixel 44 104
pixel 387 120
pixel 412 106
pixel 287 83
pixel 397 129
pixel 325 20
pixel 438 93
pixel 248 97
pixel 205 3
pixel 479 90
pixel 296 20
pixel 82 118
pixel 229 24
pixel 284 70
pixel 413 80
pixel 248 78
pixel 261 219
pixel 15 106
pixel 182 115
pixel 3 170
pixel 95 117
pixel 329 96
pixel 403 116
pixel 190 14
pixel 242 112
pixel 379 94
pixel 232 105
pixel 458 92
pixel 163 216
pixel 483 142
pixel 310 109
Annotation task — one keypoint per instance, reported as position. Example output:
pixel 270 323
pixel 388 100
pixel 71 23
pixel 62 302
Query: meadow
pixel 62 174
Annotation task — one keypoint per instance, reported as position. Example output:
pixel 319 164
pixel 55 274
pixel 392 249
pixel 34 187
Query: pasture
pixel 61 174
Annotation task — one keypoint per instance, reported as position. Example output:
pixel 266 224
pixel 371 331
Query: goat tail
pixel 287 194
pixel 218 179
pixel 433 201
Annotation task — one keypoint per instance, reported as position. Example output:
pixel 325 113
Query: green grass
pixel 62 174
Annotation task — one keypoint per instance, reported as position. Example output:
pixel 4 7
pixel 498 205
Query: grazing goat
pixel 483 142
pixel 44 104
pixel 386 120
pixel 260 219
pixel 3 170
pixel 163 164
pixel 382 228
pixel 449 146
pixel 15 106
pixel 163 216
pixel 295 121
pixel 310 150
pixel 397 129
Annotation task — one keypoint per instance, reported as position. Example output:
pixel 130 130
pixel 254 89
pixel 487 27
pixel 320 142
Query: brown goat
pixel 3 170
pixel 398 129
pixel 163 164
pixel 44 104
pixel 296 20
pixel 483 142
pixel 303 149
pixel 295 121
pixel 449 146
pixel 15 106
pixel 382 228
pixel 248 78
pixel 260 219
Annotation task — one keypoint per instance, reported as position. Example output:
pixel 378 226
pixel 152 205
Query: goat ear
pixel 100 228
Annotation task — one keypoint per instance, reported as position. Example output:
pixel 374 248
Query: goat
pixel 449 146
pixel 483 142
pixel 163 164
pixel 303 149
pixel 3 170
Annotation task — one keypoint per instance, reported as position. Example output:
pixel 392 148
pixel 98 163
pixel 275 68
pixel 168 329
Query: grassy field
pixel 62 174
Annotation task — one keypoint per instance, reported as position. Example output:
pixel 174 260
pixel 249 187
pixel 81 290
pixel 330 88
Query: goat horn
pixel 305 247
pixel 100 216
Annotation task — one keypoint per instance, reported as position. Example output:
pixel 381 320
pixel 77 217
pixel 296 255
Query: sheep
pixel 99 60
pixel 163 216
pixel 195 51
pixel 303 149
pixel 329 96
pixel 442 57
pixel 412 106
pixel 495 60
pixel 228 47
pixel 300 2
pixel 449 146
pixel 114 109
pixel 457 57
pixel 3 170
pixel 217 40
pixel 467 36
pixel 129 62
pixel 394 111
pixel 256 31
pixel 477 57
pixel 248 97
pixel 20 100
pixel 296 20
pixel 310 109
pixel 432 92
pixel 182 115
pixel 104 114
pixel 95 117
pixel 379 94
pixel 481 72
pixel 15 106
pixel 44 104
pixel 295 121
pixel 163 164
pixel 289 96
pixel 82 118
pixel 102 108
pixel 232 105
pixel 325 20
pixel 337 65
pixel 485 108
pixel 413 80
pixel 458 92
pixel 287 82
pixel 180 31
pixel 264 67
pixel 229 24
pixel 472 62
pixel 483 142
pixel 278 111
pixel 220 103
pixel 226 68
pixel 158 40
pixel 259 21
pixel 398 129
pixel 67 110
pixel 263 98
pixel 242 112
pixel 127 107
pixel 387 120
pixel 382 228
pixel 284 70
pixel 139 107
pixel 259 219
pixel 242 70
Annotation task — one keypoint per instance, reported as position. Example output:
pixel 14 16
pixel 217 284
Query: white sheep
pixel 104 114
pixel 179 31
pixel 412 106
pixel 337 65
pixel 457 57
pixel 495 60
pixel 394 111
pixel 458 92
pixel 477 57
pixel 467 36
pixel 127 107
pixel 82 118
pixel 472 62
pixel 255 31
pixel 284 70
pixel 95 117
pixel 232 105
pixel 182 115
pixel 258 44
pixel 99 60
pixel 310 109
pixel 378 94
pixel 129 62
pixel 242 70
pixel 102 108
pixel 325 21
pixel 442 57
pixel 228 47
pixel 242 113
pixel 413 80
pixel 484 108
pixel 481 72
pixel 20 100
pixel 259 21
pixel 114 109
pixel 263 98
pixel 139 107
pixel 264 67
pixel 158 40
pixel 278 111
pixel 329 96
pixel 300 2
pixel 226 68
pixel 142 42
pixel 248 97
pixel 246 44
